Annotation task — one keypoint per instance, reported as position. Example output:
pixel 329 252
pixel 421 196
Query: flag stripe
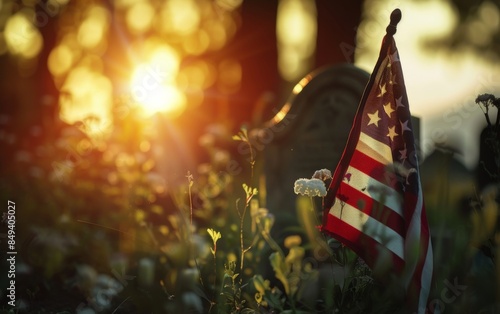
pixel 374 148
pixel 361 243
pixel 419 285
pixel 369 166
pixel 425 274
pixel 373 188
pixel 375 209
pixel 369 226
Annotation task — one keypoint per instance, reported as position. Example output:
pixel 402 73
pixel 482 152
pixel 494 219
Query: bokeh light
pixel 217 34
pixel 148 69
pixel 60 60
pixel 92 30
pixel 229 4
pixel 196 43
pixel 21 36
pixel 87 94
pixel 140 16
pixel 181 17
pixel 296 29
pixel 229 76
pixel 153 84
pixel 155 95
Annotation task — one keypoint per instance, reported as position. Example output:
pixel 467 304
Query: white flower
pixel 323 174
pixel 310 187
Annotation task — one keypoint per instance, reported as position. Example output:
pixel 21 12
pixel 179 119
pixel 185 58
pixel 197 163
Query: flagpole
pixel 390 30
pixel 395 18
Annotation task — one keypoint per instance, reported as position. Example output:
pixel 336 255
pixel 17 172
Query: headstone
pixel 309 133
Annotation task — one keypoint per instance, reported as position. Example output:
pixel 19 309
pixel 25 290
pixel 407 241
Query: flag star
pixel 404 154
pixel 374 118
pixel 393 80
pixel 399 102
pixel 388 109
pixel 404 126
pixel 392 133
pixel 382 90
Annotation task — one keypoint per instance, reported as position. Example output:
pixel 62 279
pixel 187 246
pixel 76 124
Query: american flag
pixel 375 204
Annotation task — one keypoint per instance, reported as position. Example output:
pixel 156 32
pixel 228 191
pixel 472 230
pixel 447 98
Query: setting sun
pixel 153 84
pixel 153 94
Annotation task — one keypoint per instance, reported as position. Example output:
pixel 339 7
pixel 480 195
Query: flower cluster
pixel 485 101
pixel 314 186
pixel 323 174
pixel 310 187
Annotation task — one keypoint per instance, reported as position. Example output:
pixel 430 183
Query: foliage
pixel 101 221
pixel 105 195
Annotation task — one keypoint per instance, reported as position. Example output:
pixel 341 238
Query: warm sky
pixel 441 86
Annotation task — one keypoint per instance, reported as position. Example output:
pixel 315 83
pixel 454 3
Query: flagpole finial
pixel 395 18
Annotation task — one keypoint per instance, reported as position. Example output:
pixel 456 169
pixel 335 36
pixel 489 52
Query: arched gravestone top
pixel 309 132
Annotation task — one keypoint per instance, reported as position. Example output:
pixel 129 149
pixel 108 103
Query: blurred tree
pixel 337 25
pixel 28 96
pixel 256 48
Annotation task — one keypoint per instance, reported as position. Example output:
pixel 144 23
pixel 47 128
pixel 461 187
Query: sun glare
pixel 153 93
pixel 296 29
pixel 154 83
